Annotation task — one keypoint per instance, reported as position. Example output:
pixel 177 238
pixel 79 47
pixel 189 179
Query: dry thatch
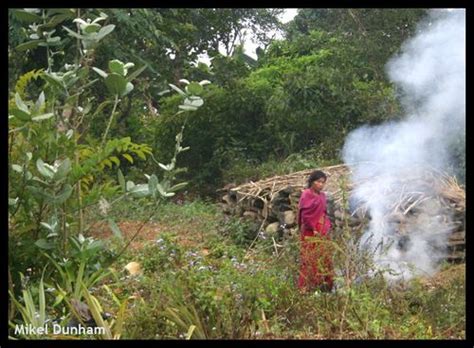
pixel 273 202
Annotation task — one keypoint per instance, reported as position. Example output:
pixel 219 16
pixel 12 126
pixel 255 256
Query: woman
pixel 316 264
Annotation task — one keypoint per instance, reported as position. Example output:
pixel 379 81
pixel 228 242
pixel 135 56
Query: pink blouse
pixel 312 212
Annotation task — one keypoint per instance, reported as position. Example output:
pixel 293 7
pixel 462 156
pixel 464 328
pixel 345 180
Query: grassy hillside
pixel 200 280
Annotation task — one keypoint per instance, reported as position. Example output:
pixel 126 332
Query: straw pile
pixel 273 202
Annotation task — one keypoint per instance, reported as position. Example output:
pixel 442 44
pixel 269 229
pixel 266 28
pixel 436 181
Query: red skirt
pixel 316 270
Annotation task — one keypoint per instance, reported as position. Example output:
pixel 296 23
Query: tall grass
pixel 236 292
pixel 211 287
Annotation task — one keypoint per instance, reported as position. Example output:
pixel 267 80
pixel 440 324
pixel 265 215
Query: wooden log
pixel 459 255
pixel 227 200
pixel 437 199
pixel 458 235
pixel 453 243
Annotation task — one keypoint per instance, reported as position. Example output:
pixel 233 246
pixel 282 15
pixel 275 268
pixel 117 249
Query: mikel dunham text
pixel 57 329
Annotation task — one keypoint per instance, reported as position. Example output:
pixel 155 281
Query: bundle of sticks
pixel 438 201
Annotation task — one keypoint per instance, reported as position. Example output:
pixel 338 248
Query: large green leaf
pixel 95 246
pixel 66 11
pixel 42 301
pixel 28 45
pixel 44 244
pixel 55 20
pixel 43 117
pixel 96 311
pixel 100 72
pixel 194 88
pixel 91 28
pixel 116 84
pixel 105 31
pixel 63 170
pixel 48 226
pixel 121 180
pixel 140 190
pixel 39 194
pixel 163 192
pixel 137 72
pixel 20 114
pixel 17 168
pixel 152 183
pixel 53 80
pixel 39 103
pixel 43 169
pixel 127 66
pixel 64 195
pixel 74 34
pixel 115 229
pixel 116 66
pixel 178 186
pixel 177 89
pixel 128 89
pixel 20 104
pixel 27 16
pixel 187 107
pixel 166 167
pixel 53 40
pixel 130 185
pixel 194 101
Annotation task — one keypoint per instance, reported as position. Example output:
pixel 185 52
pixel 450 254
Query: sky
pixel 249 46
pixel 287 16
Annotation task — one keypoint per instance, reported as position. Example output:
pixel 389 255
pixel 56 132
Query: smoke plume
pixel 429 74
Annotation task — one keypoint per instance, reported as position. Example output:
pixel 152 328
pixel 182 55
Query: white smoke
pixel 430 75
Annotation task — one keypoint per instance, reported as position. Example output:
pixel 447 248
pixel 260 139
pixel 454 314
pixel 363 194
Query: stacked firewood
pixel 439 203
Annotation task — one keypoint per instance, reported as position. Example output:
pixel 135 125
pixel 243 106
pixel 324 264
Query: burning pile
pixel 437 204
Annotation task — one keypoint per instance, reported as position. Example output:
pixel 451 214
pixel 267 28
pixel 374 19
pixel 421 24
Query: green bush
pixel 241 231
pixel 297 100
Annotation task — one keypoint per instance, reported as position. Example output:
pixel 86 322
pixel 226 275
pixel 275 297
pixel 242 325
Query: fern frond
pixel 25 79
pixel 95 160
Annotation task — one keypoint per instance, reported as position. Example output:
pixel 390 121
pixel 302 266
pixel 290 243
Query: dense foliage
pixel 111 116
pixel 58 167
pixel 304 93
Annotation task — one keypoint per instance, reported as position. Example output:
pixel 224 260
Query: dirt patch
pixel 149 232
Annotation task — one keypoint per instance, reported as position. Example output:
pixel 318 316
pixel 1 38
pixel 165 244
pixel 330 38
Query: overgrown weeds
pixel 214 288
pixel 236 292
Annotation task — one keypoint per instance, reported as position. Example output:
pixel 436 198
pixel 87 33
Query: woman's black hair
pixel 316 175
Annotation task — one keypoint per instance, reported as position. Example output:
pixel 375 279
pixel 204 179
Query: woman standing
pixel 316 264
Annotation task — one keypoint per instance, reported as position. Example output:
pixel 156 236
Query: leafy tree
pixel 56 168
pixel 308 93
pixel 377 33
pixel 169 40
